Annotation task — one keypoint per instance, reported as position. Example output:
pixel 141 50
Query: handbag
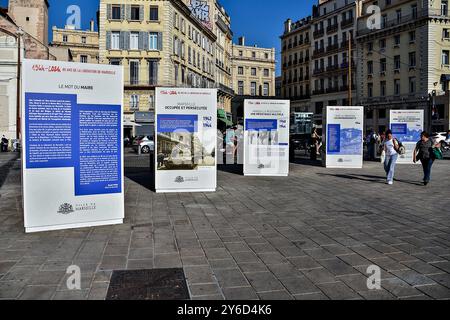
pixel 438 154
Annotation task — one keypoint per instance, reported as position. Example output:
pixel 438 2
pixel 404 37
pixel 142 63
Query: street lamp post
pixel 19 49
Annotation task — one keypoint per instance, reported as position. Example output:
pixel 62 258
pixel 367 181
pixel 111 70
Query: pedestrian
pixel 424 152
pixel 391 147
pixel 4 144
pixel 371 144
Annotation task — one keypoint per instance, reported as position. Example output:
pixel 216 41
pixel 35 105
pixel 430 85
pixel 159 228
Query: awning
pixel 130 124
pixel 445 77
pixel 222 116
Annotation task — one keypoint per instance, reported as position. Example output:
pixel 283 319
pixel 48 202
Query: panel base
pixel 185 191
pixel 73 226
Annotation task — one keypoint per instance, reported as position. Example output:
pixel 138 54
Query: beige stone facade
pixel 73 45
pixel 296 67
pixel 31 16
pixel 333 30
pixel 253 70
pixel 404 61
pixel 161 43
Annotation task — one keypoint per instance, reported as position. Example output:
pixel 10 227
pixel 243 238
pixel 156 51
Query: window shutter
pixel 108 40
pixel 141 41
pixel 122 40
pixel 109 11
pixel 141 13
pixel 123 9
pixel 145 36
pixel 127 40
pixel 128 12
pixel 160 41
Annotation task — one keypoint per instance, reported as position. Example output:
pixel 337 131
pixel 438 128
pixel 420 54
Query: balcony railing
pixel 319 70
pixel 318 33
pixel 424 13
pixel 344 43
pixel 333 28
pixel 333 67
pixel 333 47
pixel 318 91
pixel 347 23
pixel 319 51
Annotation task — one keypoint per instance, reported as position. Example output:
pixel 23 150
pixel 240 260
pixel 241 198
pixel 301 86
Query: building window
pixel 116 13
pixel 399 16
pixel 412 85
pixel 445 57
pixel 83 40
pixel 266 89
pixel 241 88
pixel 397 39
pixel 83 59
pixel 253 71
pixel 135 13
pixel 370 90
pixel 383 88
pixel 370 67
pixel 115 40
pixel 114 62
pixel 444 7
pixel 382 43
pixel 383 65
pixel 65 38
pixel 154 13
pixel 412 59
pixel 253 54
pixel 151 103
pixel 153 41
pixel 134 102
pixel 445 33
pixel 134 41
pixel 253 88
pixel 266 55
pixel 414 11
pixel 134 72
pixel 382 114
pixel 412 36
pixel 396 62
pixel 266 72
pixel 240 70
pixel 396 87
pixel 153 72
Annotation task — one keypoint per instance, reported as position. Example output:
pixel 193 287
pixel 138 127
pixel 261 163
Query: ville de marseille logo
pixel 179 179
pixel 66 208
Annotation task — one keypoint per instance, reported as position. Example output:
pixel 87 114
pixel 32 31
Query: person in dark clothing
pixel 4 144
pixel 424 153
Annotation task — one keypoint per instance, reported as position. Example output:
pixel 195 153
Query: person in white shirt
pixel 391 147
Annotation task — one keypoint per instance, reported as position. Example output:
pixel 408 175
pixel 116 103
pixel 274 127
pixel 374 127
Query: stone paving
pixel 309 236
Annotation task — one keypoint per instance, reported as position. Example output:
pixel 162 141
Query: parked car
pixel 145 143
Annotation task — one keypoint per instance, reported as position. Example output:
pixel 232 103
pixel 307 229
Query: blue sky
pixel 261 21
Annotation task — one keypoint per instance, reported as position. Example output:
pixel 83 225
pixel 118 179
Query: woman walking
pixel 391 147
pixel 424 152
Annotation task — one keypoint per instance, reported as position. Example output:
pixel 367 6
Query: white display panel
pixel 344 137
pixel 266 137
pixel 72 131
pixel 407 126
pixel 186 140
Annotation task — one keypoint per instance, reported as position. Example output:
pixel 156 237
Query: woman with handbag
pixel 427 152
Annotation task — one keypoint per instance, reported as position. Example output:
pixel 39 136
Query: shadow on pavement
pixel 141 176
pixel 232 168
pixel 5 169
pixel 369 178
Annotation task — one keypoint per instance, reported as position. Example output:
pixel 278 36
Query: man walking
pixel 391 147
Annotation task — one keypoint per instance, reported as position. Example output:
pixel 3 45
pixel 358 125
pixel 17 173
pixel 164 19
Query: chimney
pixel 92 28
pixel 242 41
pixel 287 26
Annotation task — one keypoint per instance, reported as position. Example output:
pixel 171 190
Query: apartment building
pixel 24 23
pixel 223 51
pixel 70 44
pixel 295 57
pixel 173 43
pixel 253 70
pixel 333 49
pixel 404 60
